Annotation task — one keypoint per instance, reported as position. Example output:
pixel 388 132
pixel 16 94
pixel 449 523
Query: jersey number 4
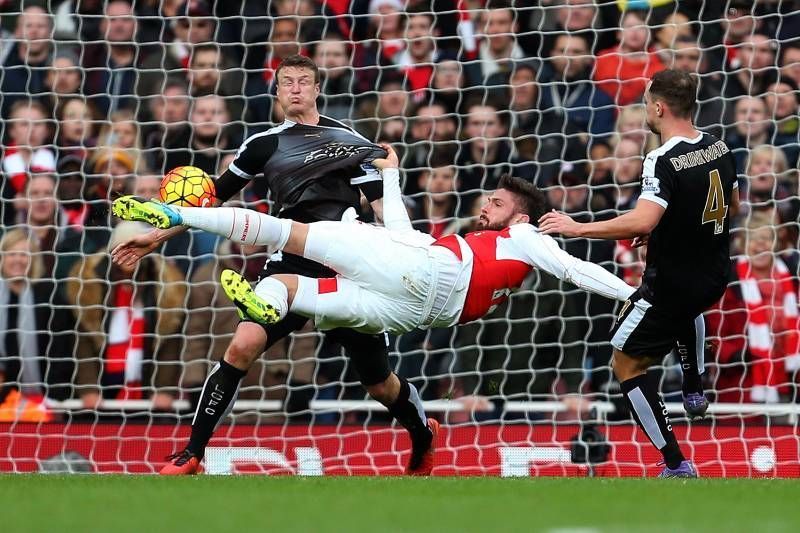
pixel 715 210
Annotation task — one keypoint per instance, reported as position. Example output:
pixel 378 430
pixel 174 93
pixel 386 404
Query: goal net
pixel 100 368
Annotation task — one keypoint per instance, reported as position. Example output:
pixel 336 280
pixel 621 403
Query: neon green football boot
pixel 154 213
pixel 249 304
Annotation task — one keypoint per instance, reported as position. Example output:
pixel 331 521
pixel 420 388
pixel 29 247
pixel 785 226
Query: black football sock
pixel 691 376
pixel 691 352
pixel 408 411
pixel 651 415
pixel 216 399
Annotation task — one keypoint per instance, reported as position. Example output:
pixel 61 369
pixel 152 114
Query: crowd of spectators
pixel 99 98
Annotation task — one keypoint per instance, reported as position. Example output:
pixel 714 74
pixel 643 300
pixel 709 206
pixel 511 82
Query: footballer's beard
pixel 484 224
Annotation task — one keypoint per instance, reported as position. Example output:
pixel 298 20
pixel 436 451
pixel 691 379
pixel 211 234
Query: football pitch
pixel 149 504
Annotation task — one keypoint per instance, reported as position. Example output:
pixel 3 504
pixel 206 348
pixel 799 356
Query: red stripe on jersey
pixel 492 279
pixel 451 243
pixel 327 285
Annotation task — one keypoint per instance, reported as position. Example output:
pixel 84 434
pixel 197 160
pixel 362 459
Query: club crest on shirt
pixel 650 185
pixel 334 150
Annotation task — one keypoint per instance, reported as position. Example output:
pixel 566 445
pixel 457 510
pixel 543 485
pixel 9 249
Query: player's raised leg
pixel 239 225
pixel 331 302
pixel 354 250
pixel 267 304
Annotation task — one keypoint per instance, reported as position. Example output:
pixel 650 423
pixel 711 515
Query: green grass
pixel 242 504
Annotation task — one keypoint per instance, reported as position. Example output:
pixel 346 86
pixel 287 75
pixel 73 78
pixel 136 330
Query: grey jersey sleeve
pixel 253 155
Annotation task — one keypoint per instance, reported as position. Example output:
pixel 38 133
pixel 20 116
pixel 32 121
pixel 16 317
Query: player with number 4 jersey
pixel 689 193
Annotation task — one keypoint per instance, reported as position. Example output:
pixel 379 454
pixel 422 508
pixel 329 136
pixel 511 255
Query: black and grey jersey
pixel 688 253
pixel 312 172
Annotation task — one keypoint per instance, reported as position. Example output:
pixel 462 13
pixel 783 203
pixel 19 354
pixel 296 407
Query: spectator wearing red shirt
pixel 757 324
pixel 738 24
pixel 417 60
pixel 623 71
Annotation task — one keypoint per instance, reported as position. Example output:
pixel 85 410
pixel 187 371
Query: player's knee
pixel 386 391
pixel 245 347
pixel 626 367
pixel 291 282
pixel 380 393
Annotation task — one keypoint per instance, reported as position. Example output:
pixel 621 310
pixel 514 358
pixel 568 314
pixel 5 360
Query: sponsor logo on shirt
pixel 334 150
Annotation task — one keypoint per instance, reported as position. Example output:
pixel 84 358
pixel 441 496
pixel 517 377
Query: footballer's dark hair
pixel 299 61
pixel 677 89
pixel 530 199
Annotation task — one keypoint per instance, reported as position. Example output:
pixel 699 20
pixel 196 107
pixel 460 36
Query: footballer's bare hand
pixel 555 222
pixel 390 161
pixel 128 252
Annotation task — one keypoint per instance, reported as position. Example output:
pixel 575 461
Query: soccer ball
pixel 188 187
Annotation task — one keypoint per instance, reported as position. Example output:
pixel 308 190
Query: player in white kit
pixel 390 278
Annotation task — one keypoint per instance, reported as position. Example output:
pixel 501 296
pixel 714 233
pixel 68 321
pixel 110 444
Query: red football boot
pixel 421 461
pixel 184 463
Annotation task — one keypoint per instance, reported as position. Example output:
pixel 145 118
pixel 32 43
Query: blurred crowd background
pixel 101 97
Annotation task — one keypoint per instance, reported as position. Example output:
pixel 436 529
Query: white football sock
pixel 274 293
pixel 239 225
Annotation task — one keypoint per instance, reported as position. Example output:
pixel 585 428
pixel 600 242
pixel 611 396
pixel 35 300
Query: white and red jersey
pixel 496 269
pixel 502 259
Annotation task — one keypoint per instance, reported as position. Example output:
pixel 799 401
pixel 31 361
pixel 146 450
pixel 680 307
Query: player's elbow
pixel 644 218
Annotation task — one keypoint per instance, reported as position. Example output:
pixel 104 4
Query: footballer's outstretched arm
pixel 543 252
pixel 395 216
pixel 635 223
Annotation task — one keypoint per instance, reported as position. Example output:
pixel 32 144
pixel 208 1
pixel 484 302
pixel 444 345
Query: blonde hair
pixel 636 113
pixel 105 139
pixel 780 164
pixel 14 237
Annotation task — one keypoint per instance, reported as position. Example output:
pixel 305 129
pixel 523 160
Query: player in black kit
pixel 316 168
pixel 689 192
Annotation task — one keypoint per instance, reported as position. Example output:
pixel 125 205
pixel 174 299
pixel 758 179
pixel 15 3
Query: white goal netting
pixel 101 98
